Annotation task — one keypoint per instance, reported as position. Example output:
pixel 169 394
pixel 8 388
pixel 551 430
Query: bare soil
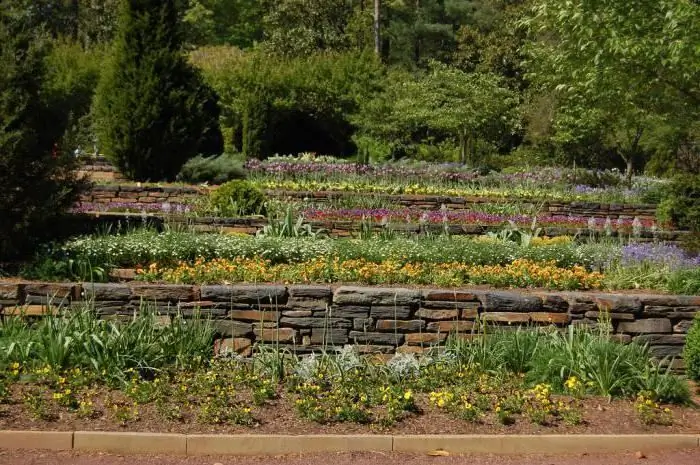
pixel 681 457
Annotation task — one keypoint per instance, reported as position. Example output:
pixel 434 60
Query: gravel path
pixel 687 457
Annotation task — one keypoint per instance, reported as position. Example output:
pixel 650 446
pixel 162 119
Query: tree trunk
pixel 463 148
pixel 629 157
pixel 377 31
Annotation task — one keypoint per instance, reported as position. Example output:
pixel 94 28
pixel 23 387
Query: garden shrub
pixel 152 109
pixel 272 104
pixel 37 174
pixel 214 170
pixel 691 352
pixel 681 203
pixel 236 198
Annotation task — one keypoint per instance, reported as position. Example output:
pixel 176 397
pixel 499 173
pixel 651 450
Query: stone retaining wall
pixel 376 320
pixel 252 225
pixel 114 193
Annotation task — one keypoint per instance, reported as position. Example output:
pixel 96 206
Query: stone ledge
pixel 265 445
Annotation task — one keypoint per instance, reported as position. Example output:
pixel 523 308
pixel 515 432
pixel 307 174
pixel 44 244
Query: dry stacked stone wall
pixel 115 193
pixel 376 320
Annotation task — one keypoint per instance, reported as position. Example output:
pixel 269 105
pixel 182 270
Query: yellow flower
pixel 408 395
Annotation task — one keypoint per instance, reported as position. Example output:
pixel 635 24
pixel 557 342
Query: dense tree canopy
pixel 592 82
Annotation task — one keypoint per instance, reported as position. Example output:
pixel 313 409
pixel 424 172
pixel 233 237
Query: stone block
pixel 254 315
pixel 471 306
pixel 399 325
pixel 425 338
pixel 197 304
pixel 230 328
pixel 670 312
pixel 30 310
pixel 310 292
pixel 595 315
pixel 647 325
pixel 308 304
pixel 329 336
pixel 362 324
pixel 376 296
pixel 297 313
pixel 350 311
pixel 437 314
pixel 496 301
pixel 55 291
pixel 550 318
pixel 554 303
pixel 682 326
pixel 449 296
pixel 578 308
pixel 666 351
pixel 361 337
pixel 661 339
pixel 282 335
pixel 617 303
pixel 163 292
pixel 451 326
pixel 316 322
pixel 52 301
pixel 100 291
pixel 406 349
pixel 506 317
pixel 248 294
pixel 10 291
pixel 391 312
pixel 239 345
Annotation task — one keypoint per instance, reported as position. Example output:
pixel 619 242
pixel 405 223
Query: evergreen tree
pixel 37 177
pixel 152 109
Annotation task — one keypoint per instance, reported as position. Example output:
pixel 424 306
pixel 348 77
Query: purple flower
pixel 660 254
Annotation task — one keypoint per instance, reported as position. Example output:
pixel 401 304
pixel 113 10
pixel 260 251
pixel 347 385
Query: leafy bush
pixel 214 170
pixel 273 104
pixel 236 198
pixel 681 203
pixel 152 109
pixel 691 352
pixel 37 174
pixel 594 178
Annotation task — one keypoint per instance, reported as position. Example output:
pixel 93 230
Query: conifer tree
pixel 152 109
pixel 37 174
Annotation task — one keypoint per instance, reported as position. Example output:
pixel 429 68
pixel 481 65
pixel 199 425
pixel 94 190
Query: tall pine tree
pixel 152 109
pixel 37 176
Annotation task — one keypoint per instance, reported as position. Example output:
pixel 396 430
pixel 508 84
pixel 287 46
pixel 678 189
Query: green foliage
pixel 80 339
pixel 236 198
pixel 304 27
pixel 681 203
pixel 152 110
pixel 146 246
pixel 468 108
pixel 36 173
pixel 217 22
pixel 274 105
pixel 617 84
pixel 691 352
pixel 213 170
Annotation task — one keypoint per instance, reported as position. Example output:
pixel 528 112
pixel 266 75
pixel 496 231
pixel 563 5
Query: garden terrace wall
pixel 251 225
pixel 116 193
pixel 377 320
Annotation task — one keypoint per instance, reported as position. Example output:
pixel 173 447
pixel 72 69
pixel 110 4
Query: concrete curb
pixel 251 444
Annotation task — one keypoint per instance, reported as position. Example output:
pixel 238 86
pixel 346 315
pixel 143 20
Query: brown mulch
pixel 279 417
